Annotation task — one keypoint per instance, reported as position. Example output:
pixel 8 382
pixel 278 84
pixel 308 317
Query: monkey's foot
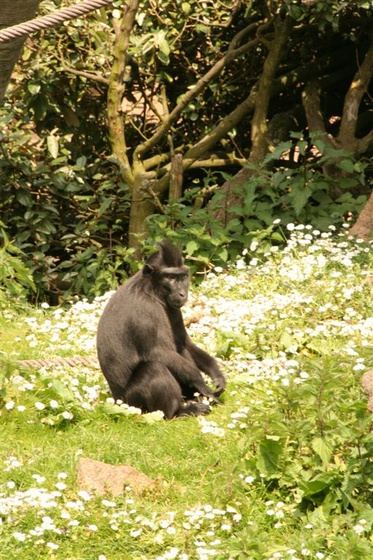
pixel 194 409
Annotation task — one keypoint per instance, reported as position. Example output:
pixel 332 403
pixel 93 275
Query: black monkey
pixel 144 351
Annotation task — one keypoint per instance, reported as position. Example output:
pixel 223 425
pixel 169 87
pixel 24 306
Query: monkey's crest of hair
pixel 168 255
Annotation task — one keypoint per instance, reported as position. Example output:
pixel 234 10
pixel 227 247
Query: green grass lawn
pixel 282 469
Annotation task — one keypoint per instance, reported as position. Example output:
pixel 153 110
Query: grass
pixel 282 469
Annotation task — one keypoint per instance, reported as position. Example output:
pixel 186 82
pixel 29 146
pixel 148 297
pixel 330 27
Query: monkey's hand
pixel 211 397
pixel 220 384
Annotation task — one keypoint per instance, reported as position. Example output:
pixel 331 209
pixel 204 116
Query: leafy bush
pixel 275 191
pixel 15 278
pixel 300 432
pixel 67 218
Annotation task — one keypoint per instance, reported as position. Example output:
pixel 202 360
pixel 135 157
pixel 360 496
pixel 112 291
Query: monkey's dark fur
pixel 144 351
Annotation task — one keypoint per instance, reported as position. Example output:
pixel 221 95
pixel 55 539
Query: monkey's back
pixel 133 323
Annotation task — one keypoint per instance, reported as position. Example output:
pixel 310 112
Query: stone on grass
pixel 101 478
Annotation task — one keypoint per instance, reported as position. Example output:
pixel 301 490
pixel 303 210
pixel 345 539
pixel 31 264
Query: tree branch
pixel 259 149
pixel 116 90
pixel 357 90
pixel 311 104
pixel 176 177
pixel 265 85
pixel 222 128
pixel 88 75
pixel 363 144
pixel 282 83
pixel 192 93
pixel 215 161
pixel 208 142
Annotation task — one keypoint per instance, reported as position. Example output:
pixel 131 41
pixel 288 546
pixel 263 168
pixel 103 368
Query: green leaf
pixel 192 247
pixel 287 340
pixel 61 391
pixel 250 196
pixel 296 12
pixel 318 484
pixel 185 6
pixel 53 145
pixel 319 347
pixel 277 237
pixel 322 448
pixel 164 48
pixel 302 146
pixel 270 451
pixel 33 88
pixel 346 165
pixel 104 206
pixel 163 43
pixel 152 417
pixel 24 198
pixel 81 161
pixel 113 409
pixel 116 410
pixel 223 254
pixel 300 198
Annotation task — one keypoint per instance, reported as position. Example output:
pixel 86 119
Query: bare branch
pixel 176 177
pixel 230 121
pixel 363 144
pixel 215 161
pixel 222 128
pixel 265 86
pixel 357 90
pixel 207 143
pixel 311 104
pixel 242 34
pixel 88 75
pixel 154 197
pixel 116 90
pixel 191 94
pixel 156 161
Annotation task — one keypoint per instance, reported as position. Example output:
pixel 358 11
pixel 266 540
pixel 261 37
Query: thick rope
pixel 72 361
pixel 91 361
pixel 52 19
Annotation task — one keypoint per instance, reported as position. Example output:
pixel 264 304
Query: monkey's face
pixel 174 283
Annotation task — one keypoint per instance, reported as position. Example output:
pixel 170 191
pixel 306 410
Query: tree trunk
pixel 142 206
pixel 259 142
pixel 116 123
pixel 12 13
pixel 363 226
pixel 347 139
pixel 176 177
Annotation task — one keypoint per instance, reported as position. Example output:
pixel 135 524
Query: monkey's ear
pixel 147 270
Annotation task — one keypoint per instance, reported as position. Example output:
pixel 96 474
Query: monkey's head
pixel 169 275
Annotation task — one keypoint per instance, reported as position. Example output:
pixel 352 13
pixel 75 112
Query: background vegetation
pixel 196 120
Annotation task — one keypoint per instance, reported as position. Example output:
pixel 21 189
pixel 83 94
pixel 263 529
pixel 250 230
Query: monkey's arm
pixel 183 369
pixel 208 365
